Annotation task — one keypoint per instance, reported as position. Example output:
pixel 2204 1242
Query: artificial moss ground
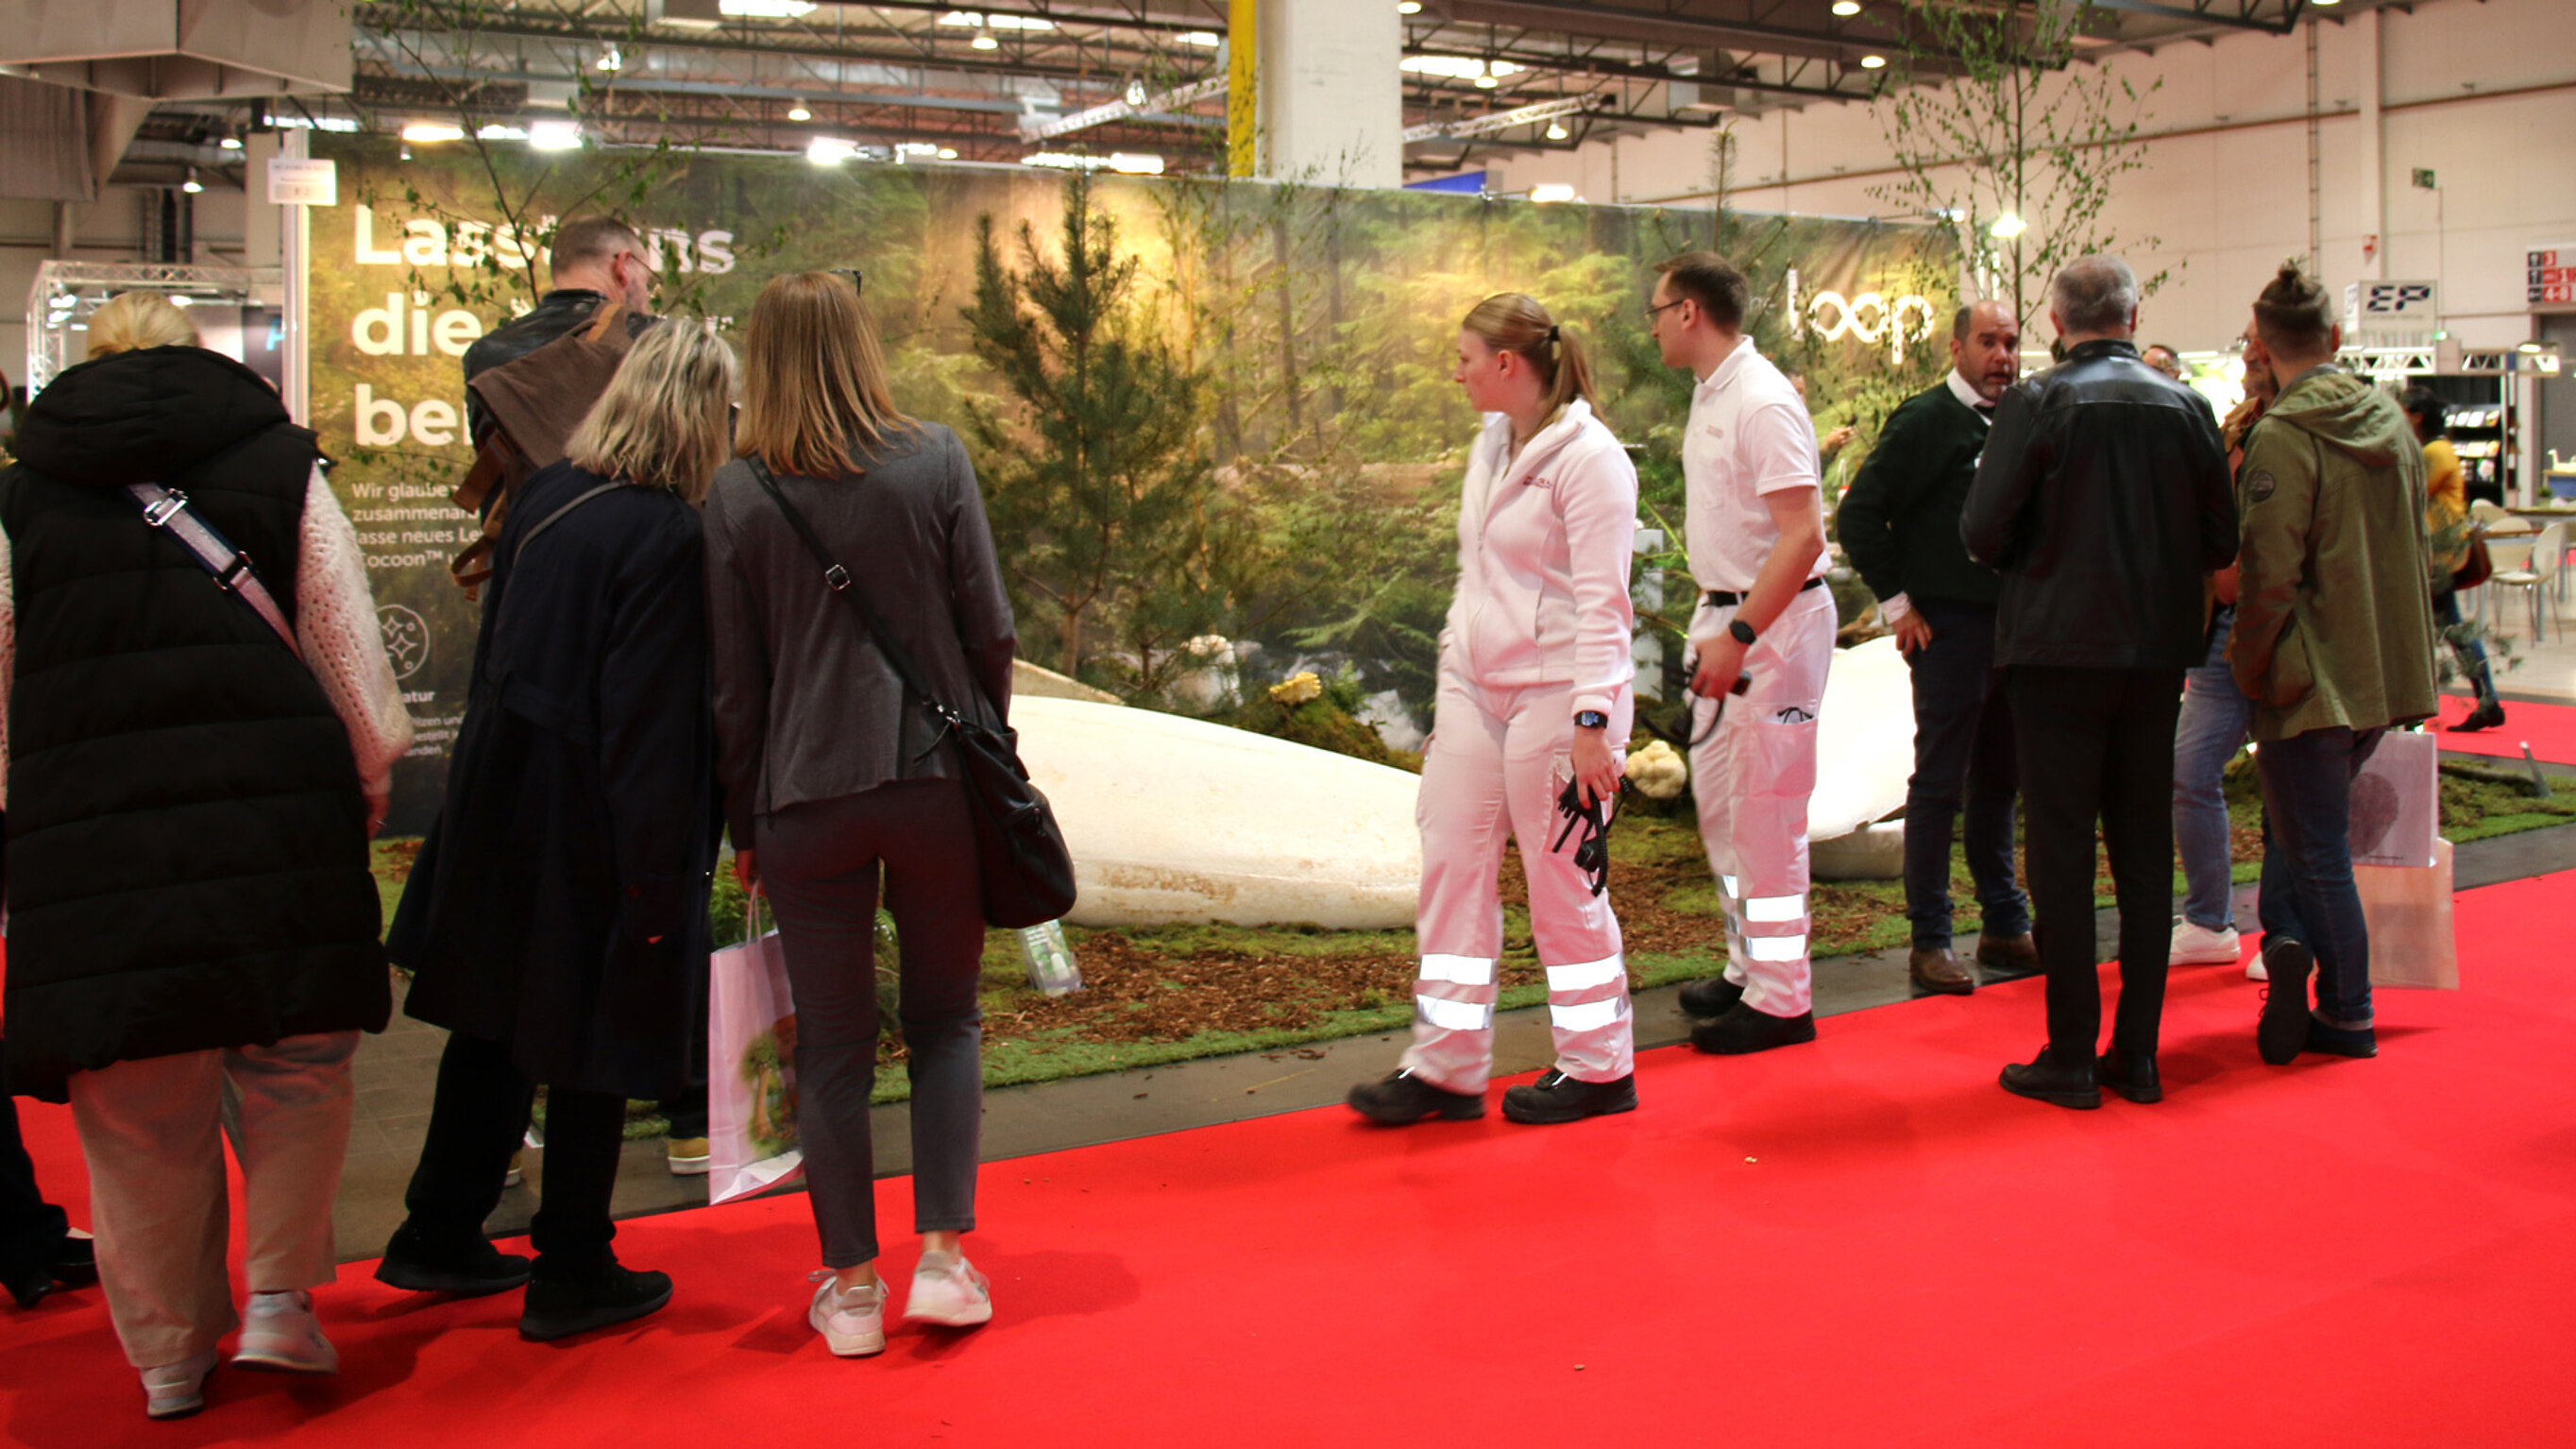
pixel 1163 994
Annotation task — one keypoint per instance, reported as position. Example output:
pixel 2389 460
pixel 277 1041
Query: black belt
pixel 1720 598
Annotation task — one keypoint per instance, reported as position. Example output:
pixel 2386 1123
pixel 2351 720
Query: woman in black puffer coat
pixel 189 801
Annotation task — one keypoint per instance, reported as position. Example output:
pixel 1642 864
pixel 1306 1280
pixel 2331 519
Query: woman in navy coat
pixel 558 910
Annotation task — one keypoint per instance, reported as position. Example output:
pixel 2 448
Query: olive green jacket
pixel 2334 617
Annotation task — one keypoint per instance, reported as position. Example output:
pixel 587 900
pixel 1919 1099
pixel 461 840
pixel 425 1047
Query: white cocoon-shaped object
pixel 1172 819
pixel 1864 739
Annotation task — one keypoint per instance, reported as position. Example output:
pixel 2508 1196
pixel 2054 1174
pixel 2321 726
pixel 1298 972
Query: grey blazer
pixel 806 707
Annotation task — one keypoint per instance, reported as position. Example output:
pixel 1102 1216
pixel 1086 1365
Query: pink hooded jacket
pixel 1545 543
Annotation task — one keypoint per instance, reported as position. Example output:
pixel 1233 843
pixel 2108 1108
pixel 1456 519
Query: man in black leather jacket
pixel 2103 498
pixel 594 260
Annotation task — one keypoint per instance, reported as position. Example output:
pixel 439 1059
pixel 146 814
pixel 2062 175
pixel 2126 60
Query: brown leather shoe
pixel 2016 955
pixel 1936 970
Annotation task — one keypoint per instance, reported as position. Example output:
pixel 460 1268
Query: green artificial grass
pixel 1279 988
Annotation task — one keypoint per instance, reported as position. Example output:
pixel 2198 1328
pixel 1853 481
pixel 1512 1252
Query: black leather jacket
pixel 2103 498
pixel 555 314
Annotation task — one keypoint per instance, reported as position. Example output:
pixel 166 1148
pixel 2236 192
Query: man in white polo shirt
pixel 1756 531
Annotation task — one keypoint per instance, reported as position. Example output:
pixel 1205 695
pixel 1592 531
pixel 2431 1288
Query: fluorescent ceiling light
pixel 1872 62
pixel 182 299
pixel 977 20
pixel 1145 163
pixel 1457 67
pixel 1064 161
pixel 1551 191
pixel 432 131
pixel 340 124
pixel 1846 7
pixel 1409 7
pixel 230 143
pixel 554 136
pixel 799 113
pixel 947 153
pixel 765 9
pixel 499 133
pixel 1208 38
pixel 825 151
pixel 984 41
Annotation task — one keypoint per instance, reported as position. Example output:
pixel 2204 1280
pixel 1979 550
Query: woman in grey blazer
pixel 836 777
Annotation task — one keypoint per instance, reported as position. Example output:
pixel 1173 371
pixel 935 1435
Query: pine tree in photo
pixel 1095 473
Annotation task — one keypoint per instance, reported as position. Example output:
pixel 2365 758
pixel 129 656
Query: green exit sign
pixel 2424 177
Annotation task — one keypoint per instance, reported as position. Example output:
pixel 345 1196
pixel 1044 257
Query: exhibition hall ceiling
pixel 904 79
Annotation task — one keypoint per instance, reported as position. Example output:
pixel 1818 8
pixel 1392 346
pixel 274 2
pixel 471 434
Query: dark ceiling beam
pixel 2215 12
pixel 1666 28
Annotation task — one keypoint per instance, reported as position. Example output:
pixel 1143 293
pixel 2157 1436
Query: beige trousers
pixel 153 1130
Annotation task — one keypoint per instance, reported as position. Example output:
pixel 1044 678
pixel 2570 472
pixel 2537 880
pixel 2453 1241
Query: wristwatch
pixel 1592 719
pixel 1742 631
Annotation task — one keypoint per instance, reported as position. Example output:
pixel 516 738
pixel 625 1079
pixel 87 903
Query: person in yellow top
pixel 2446 515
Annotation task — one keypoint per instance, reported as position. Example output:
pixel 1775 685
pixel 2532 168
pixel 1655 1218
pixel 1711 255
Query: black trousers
pixel 2097 744
pixel 1963 755
pixel 31 1229
pixel 475 1122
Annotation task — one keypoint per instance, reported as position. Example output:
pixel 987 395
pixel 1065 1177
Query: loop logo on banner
pixel 1870 318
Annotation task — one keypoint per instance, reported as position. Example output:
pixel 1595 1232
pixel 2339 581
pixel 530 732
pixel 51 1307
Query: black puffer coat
pixel 187 843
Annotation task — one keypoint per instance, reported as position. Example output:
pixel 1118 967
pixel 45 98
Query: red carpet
pixel 1859 1242
pixel 2550 730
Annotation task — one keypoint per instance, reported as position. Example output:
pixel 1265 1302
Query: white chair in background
pixel 2535 571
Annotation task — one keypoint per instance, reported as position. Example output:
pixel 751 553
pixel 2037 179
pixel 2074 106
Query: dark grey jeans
pixel 820 865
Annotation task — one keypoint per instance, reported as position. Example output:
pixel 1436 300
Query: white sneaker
pixel 851 1320
pixel 176 1390
pixel 2254 968
pixel 2201 946
pixel 280 1332
pixel 947 1289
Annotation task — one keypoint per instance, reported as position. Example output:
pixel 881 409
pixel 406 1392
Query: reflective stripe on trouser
pixel 1492 772
pixel 1752 778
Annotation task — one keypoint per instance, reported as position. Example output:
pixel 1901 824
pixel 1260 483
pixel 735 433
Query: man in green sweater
pixel 1899 525
pixel 2334 644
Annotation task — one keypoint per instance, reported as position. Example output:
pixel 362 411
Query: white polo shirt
pixel 1748 435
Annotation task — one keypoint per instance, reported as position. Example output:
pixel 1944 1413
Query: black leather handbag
pixel 1028 873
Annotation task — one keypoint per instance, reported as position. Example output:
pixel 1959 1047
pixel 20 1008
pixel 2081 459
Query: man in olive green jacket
pixel 2333 642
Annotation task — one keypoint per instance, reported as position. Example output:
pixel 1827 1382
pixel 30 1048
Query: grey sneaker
pixel 280 1332
pixel 851 1320
pixel 947 1289
pixel 176 1390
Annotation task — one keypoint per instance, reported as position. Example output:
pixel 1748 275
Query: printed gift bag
pixel 751 1073
pixel 2407 911
pixel 2396 802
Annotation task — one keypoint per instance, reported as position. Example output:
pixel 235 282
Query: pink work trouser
pixel 1751 778
pixel 1496 761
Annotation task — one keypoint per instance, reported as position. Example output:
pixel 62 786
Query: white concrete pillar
pixel 1331 94
pixel 2371 162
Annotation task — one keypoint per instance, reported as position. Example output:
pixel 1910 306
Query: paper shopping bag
pixel 2407 910
pixel 751 1067
pixel 2396 802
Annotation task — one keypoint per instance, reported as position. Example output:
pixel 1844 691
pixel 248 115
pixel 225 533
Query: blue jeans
pixel 2308 894
pixel 2215 714
pixel 1963 757
pixel 2472 654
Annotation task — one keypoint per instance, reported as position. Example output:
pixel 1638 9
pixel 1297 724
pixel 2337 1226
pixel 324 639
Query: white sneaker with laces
pixel 280 1332
pixel 176 1390
pixel 2254 968
pixel 947 1289
pixel 851 1320
pixel 2200 946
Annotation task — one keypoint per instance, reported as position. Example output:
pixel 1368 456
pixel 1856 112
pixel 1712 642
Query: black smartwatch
pixel 1742 631
pixel 1592 719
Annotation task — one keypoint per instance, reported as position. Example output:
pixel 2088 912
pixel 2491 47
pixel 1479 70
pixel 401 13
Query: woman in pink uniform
pixel 1535 669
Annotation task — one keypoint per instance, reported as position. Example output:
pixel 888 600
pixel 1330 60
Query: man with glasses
pixel 1756 531
pixel 595 260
